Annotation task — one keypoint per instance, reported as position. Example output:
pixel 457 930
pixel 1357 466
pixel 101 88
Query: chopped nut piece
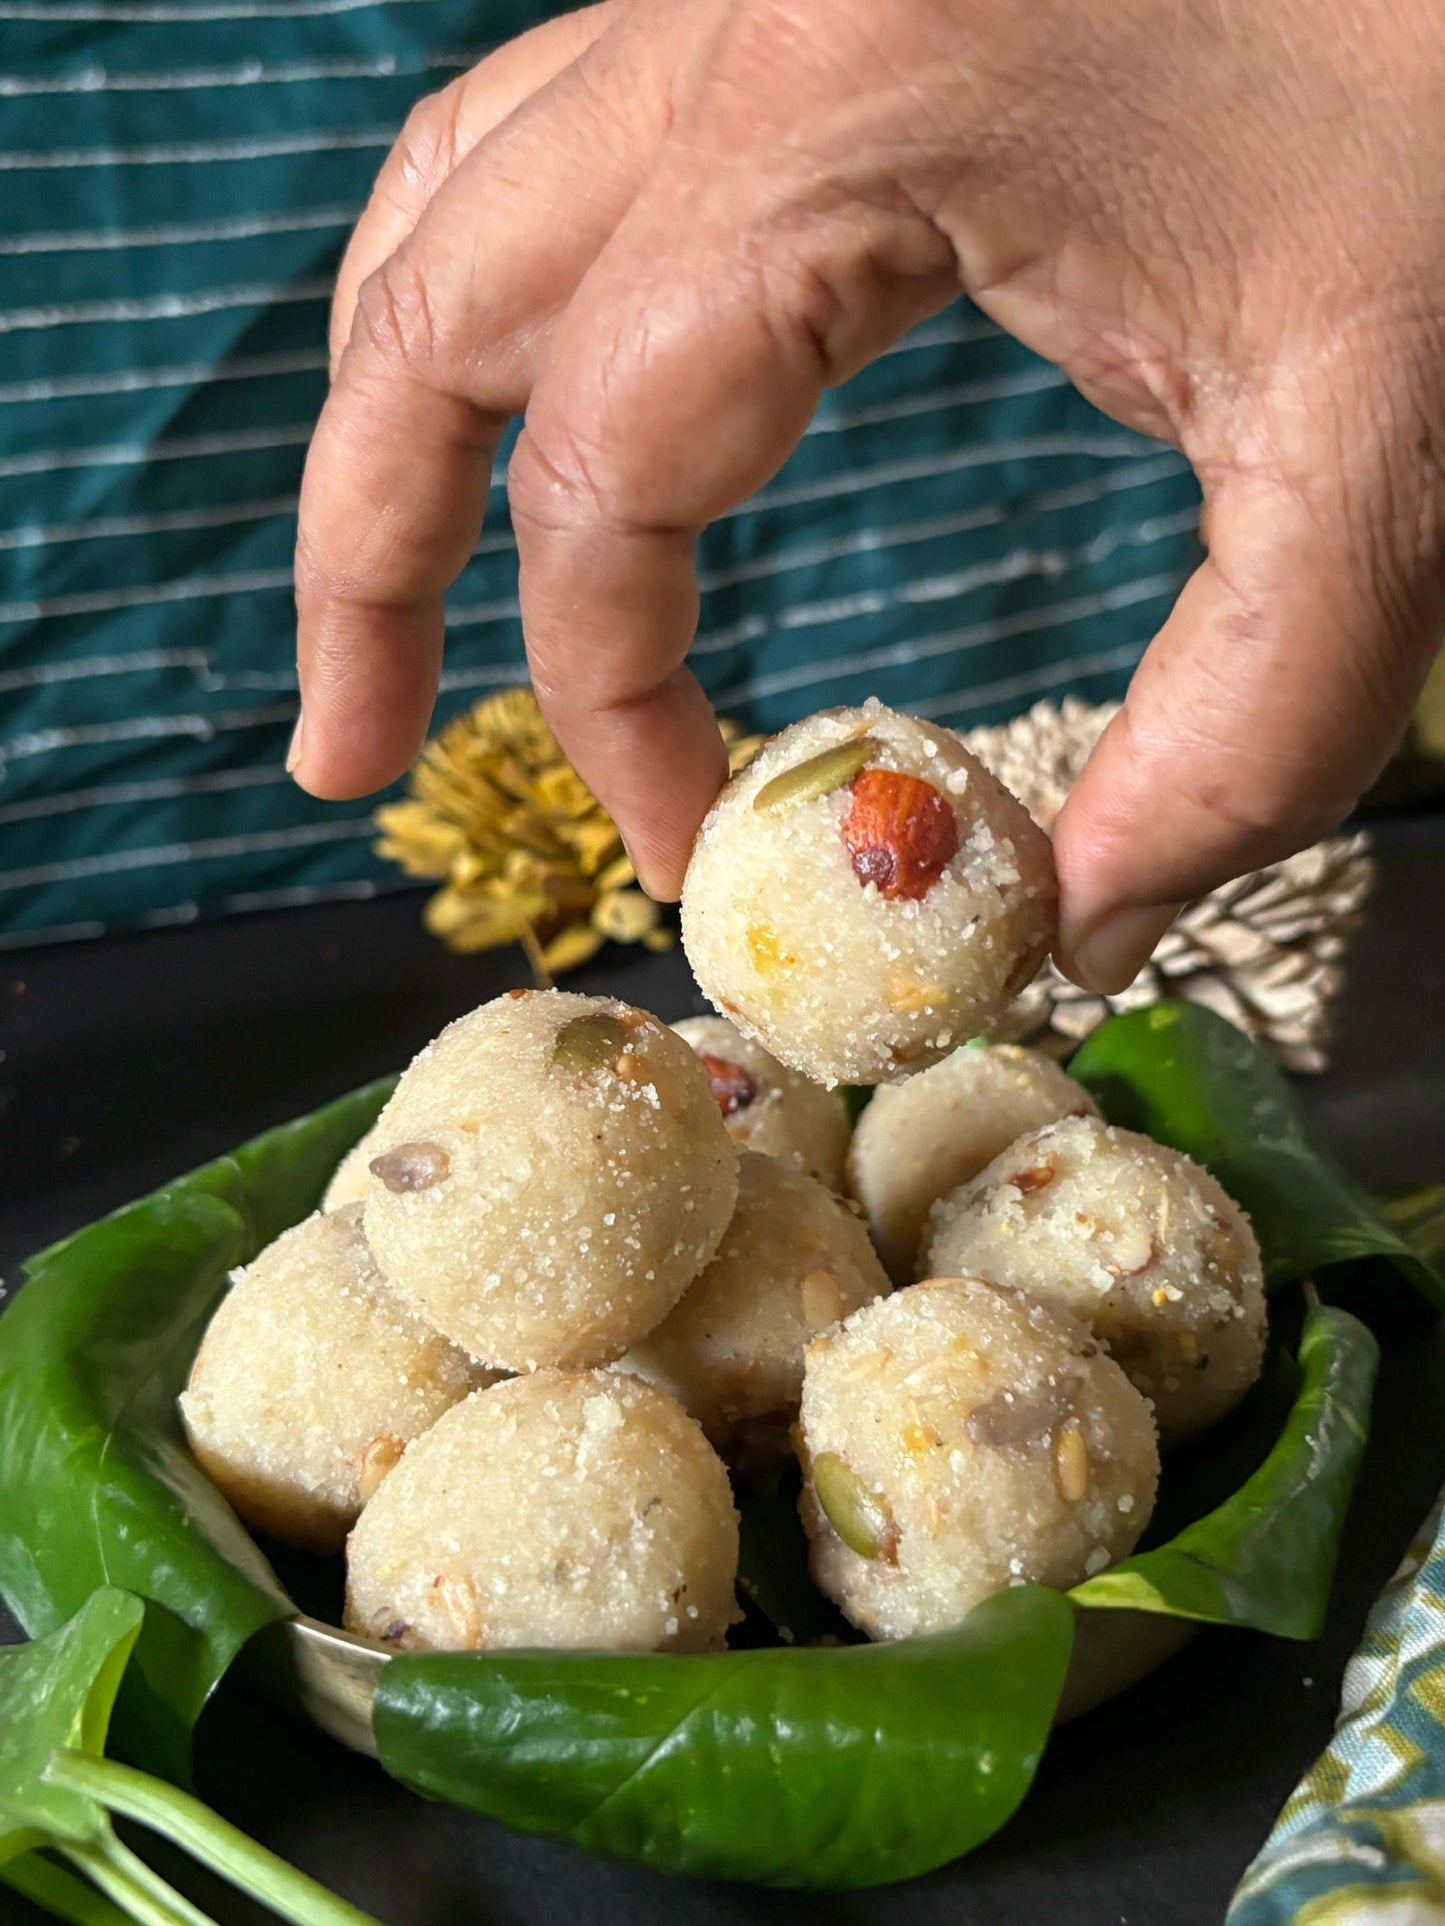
pixel 820 775
pixel 459 1602
pixel 417 1166
pixel 1071 1462
pixel 905 992
pixel 860 1517
pixel 1036 1177
pixel 821 1300
pixel 900 833
pixel 1131 1252
pixel 1011 1421
pixel 588 1042
pixel 730 1084
pixel 383 1454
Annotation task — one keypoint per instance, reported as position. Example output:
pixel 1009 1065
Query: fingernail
pixel 293 754
pixel 1109 957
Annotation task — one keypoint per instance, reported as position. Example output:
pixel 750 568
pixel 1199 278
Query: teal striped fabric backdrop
pixel 959 533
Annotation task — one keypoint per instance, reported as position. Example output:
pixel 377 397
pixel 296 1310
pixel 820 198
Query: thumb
pixel 1263 710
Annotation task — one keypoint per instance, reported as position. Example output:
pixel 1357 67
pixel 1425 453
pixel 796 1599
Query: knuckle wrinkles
pixel 427 148
pixel 554 484
pixel 396 321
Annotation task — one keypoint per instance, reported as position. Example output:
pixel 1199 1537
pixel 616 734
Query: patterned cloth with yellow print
pixel 1362 1841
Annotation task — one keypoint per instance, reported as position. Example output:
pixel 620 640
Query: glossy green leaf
pixel 1265 1557
pixel 817 1767
pixel 1188 1078
pixel 98 1487
pixel 56 1695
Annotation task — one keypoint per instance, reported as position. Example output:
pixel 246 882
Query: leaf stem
pixel 142 1895
pixel 56 1891
pixel 188 1823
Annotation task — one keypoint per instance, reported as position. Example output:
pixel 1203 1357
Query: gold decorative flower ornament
pixel 523 850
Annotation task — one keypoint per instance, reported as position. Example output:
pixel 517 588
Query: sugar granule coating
pixel 1135 1239
pixel 792 1262
pixel 553 1173
pixel 310 1380
pixel 957 1438
pixel 581 1510
pixel 349 1179
pixel 917 1141
pixel 830 919
pixel 766 1106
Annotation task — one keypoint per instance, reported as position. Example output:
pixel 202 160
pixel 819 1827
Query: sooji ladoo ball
pixel 793 1261
pixel 766 1106
pixel 957 1438
pixel 553 1172
pixel 865 895
pixel 1135 1239
pixel 917 1141
pixel 583 1510
pixel 311 1379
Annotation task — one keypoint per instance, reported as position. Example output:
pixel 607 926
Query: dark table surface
pixel 129 1060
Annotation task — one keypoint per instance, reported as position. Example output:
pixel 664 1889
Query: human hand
pixel 660 228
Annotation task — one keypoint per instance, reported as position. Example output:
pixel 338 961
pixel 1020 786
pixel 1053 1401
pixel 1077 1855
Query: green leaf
pixel 1419 1217
pixel 815 1764
pixel 819 1767
pixel 1188 1078
pixel 98 1486
pixel 1265 1557
pixel 57 1791
pixel 56 1695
